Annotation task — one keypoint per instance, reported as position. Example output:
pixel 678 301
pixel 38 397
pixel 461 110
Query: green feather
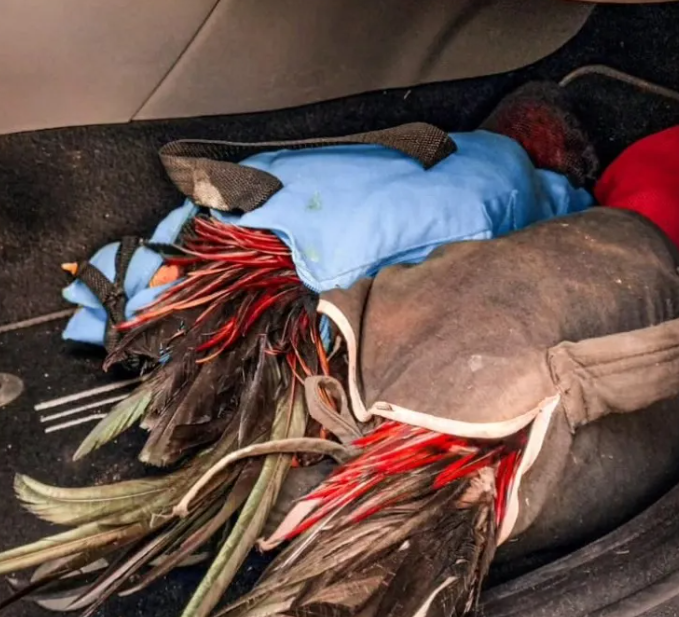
pixel 83 505
pixel 85 538
pixel 34 547
pixel 290 421
pixel 203 532
pixel 118 420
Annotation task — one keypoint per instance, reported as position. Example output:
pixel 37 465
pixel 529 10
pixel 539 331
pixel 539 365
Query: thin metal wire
pixel 63 425
pixel 75 410
pixel 36 321
pixel 87 393
pixel 615 74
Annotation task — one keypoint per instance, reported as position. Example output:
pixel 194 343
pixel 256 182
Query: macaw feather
pixel 225 351
pixel 148 341
pixel 59 593
pixel 51 579
pixel 65 568
pixel 240 300
pixel 118 420
pixel 289 422
pixel 192 405
pixel 147 552
pixel 79 506
pixel 116 575
pixel 411 501
pixel 202 532
pixel 81 539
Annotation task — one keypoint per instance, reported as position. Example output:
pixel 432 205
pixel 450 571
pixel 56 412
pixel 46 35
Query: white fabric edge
pixel 536 439
pixel 457 428
pixel 340 320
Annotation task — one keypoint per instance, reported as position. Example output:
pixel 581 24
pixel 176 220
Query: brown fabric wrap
pixel 467 334
pixel 587 307
pixel 620 373
pixel 585 485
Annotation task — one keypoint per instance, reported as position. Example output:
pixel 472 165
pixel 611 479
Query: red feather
pixel 395 449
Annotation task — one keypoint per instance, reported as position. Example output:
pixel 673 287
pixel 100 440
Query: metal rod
pixel 615 74
pixel 36 321
pixel 86 393
pixel 75 410
pixel 63 425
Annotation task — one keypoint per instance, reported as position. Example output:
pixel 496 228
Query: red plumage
pixel 394 449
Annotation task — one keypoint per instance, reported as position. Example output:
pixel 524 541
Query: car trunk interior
pixel 65 192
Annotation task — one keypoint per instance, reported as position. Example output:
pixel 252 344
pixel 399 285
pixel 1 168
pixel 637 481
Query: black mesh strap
pixel 97 283
pixel 111 294
pixel 128 245
pixel 220 184
pixel 208 173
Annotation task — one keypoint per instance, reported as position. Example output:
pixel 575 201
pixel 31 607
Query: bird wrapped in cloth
pixel 240 397
pixel 483 415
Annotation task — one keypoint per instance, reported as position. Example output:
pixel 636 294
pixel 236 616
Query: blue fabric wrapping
pixel 88 325
pixel 348 211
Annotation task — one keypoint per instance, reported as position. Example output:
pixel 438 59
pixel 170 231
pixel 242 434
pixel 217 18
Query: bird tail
pixel 230 344
pixel 407 528
pixel 223 335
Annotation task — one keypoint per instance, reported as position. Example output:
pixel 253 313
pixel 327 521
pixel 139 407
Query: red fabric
pixel 645 179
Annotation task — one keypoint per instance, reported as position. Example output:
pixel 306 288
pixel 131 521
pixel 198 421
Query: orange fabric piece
pixel 164 275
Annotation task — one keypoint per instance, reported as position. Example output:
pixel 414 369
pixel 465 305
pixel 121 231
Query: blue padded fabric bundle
pixel 347 211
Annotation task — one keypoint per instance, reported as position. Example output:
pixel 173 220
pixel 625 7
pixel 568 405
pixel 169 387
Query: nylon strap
pixel 208 172
pixel 341 424
pixel 111 294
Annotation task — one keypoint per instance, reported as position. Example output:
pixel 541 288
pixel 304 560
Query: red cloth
pixel 645 178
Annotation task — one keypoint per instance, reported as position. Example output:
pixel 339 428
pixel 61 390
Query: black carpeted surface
pixel 64 193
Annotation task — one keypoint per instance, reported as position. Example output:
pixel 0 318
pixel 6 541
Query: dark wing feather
pixel 193 404
pixel 228 345
pixel 424 556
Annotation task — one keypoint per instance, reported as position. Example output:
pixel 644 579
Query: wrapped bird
pixel 446 377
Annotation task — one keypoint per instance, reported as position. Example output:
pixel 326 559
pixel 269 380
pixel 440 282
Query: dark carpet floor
pixel 64 193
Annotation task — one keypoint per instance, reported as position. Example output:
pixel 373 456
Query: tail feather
pixel 240 298
pixel 405 529
pixel 231 342
pixel 228 344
